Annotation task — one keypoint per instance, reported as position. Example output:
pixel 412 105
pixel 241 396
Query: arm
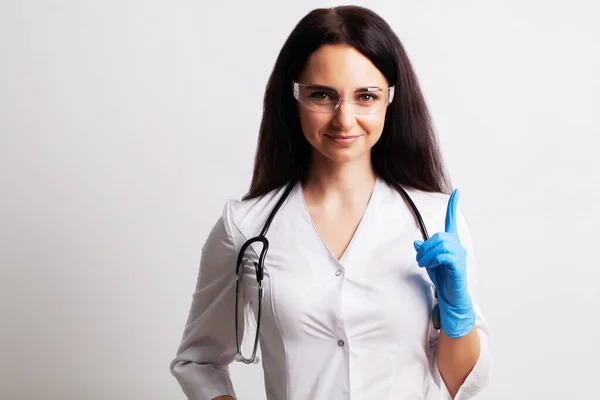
pixel 208 344
pixel 463 364
pixel 456 357
pixel 461 360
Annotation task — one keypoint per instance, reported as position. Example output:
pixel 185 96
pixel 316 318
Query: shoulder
pixel 431 203
pixel 245 218
pixel 432 206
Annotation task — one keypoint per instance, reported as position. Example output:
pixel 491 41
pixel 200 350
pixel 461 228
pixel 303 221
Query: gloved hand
pixel 445 260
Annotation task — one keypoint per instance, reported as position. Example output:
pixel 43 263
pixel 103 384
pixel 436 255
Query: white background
pixel 126 125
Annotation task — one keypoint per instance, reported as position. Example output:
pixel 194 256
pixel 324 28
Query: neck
pixel 346 183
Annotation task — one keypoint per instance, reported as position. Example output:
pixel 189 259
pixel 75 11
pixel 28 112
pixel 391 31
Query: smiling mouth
pixel 344 140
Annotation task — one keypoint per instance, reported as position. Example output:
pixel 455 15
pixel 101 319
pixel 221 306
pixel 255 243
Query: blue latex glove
pixel 445 260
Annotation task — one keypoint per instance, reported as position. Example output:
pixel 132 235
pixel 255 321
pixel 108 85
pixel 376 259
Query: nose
pixel 345 116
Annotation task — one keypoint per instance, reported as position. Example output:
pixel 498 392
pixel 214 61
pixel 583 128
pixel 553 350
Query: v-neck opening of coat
pixel 356 232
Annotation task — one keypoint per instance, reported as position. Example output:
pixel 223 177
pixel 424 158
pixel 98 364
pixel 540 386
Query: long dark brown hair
pixel 407 153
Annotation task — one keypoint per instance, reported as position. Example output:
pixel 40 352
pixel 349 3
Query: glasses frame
pixel 296 91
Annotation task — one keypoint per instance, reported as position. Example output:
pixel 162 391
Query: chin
pixel 346 155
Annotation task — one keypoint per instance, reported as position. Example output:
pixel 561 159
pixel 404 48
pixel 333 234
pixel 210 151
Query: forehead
pixel 341 66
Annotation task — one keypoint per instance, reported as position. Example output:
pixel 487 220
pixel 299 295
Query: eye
pixel 367 97
pixel 320 95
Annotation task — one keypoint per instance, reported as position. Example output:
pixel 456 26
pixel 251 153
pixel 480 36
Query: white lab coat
pixel 355 329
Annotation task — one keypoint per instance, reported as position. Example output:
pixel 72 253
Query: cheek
pixel 313 123
pixel 374 125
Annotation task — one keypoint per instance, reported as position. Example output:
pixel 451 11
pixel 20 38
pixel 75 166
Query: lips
pixel 343 140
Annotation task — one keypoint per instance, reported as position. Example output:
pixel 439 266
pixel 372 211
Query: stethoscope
pixel 259 267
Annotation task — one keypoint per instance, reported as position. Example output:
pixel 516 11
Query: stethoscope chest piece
pixel 435 316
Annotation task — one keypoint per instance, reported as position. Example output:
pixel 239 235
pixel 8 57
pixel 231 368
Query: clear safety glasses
pixel 324 99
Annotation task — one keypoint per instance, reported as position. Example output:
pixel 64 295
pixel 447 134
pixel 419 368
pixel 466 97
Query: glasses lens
pixel 324 100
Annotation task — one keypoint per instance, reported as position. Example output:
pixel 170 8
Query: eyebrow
pixel 360 89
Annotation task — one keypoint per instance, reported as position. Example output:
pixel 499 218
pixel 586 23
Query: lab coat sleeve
pixel 480 375
pixel 201 365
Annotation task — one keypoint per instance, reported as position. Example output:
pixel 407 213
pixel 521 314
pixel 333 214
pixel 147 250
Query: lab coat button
pixel 340 343
pixel 338 272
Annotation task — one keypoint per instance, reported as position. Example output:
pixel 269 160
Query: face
pixel 343 135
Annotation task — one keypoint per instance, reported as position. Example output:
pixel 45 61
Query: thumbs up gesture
pixel 445 260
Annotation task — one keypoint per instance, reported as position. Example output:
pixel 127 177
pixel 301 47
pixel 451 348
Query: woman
pixel 348 287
